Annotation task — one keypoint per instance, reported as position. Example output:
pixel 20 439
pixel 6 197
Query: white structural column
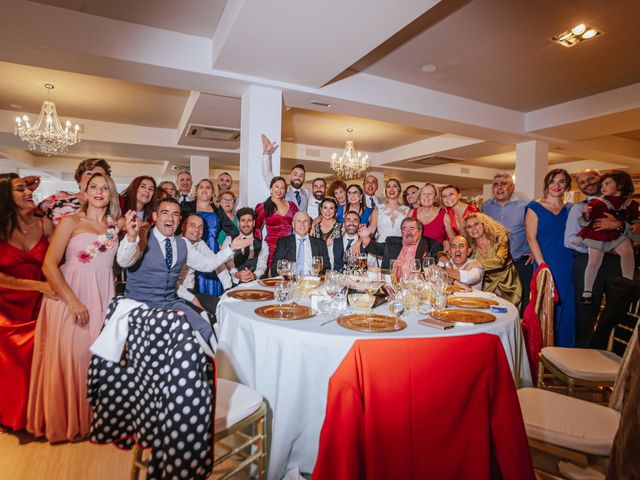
pixel 487 191
pixel 261 113
pixel 532 160
pixel 199 168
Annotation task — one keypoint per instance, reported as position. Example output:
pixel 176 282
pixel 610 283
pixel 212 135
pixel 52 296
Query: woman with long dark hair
pixel 355 203
pixel 140 197
pixel 24 239
pixel 276 214
pixel 87 241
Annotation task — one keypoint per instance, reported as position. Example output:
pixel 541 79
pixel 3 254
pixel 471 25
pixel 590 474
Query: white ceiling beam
pixel 592 107
pixel 428 146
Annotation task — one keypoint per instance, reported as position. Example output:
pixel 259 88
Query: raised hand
pixel 32 181
pixel 240 242
pixel 268 147
pixel 132 225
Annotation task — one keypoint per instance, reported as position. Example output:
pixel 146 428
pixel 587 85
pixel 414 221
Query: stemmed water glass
pixel 332 286
pixel 317 263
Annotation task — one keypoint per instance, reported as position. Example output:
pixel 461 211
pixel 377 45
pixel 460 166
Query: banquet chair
pixel 562 428
pixel 423 408
pixel 586 367
pixel 238 409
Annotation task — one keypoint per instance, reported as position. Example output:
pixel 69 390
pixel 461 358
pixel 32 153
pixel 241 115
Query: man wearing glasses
pixel 508 209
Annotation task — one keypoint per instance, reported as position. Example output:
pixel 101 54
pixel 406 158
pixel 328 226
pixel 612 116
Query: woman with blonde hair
pixel 489 242
pixel 436 224
pixel 88 242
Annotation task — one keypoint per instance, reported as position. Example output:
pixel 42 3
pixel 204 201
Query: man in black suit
pixel 299 247
pixel 346 242
pixel 393 247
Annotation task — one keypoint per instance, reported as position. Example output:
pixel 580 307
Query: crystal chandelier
pixel 47 135
pixel 350 164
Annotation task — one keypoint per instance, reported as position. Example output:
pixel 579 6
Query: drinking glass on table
pixel 396 307
pixel 332 285
pixel 427 264
pixel 362 261
pixel 283 267
pixel 317 263
pixel 415 265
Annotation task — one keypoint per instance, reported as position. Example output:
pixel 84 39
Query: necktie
pixel 373 204
pixel 349 243
pixel 318 204
pixel 298 198
pixel 183 198
pixel 300 257
pixel 168 253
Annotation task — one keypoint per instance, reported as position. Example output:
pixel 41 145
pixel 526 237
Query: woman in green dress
pixel 489 241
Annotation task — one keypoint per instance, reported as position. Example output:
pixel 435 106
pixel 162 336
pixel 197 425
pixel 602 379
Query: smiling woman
pixel 140 196
pixel 88 242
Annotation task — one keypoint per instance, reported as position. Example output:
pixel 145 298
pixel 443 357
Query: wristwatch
pixel 621 228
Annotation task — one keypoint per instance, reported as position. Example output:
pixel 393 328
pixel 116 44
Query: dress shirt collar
pixel 160 237
pixel 298 237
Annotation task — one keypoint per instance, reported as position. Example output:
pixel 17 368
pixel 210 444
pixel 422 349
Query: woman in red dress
pixel 23 244
pixel 276 214
pixel 456 209
pixel 437 225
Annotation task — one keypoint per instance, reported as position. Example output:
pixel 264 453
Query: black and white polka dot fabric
pixel 161 394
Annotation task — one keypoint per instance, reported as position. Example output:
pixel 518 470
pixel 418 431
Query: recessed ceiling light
pixel 289 139
pixel 579 29
pixel 16 106
pixel 320 104
pixel 576 35
pixel 429 68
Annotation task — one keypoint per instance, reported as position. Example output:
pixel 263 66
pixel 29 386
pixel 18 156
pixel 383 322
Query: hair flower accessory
pixel 103 243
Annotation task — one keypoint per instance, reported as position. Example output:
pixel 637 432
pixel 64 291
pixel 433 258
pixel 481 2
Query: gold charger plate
pixel 463 316
pixel 375 323
pixel 251 294
pixel 287 311
pixel 271 282
pixel 471 302
pixel 457 288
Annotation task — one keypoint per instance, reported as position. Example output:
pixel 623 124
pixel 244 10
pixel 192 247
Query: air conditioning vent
pixel 433 160
pixel 213 133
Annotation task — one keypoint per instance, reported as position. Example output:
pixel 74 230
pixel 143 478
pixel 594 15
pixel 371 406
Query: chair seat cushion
pixel 585 363
pixel 568 422
pixel 234 402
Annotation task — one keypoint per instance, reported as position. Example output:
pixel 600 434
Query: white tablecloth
pixel 290 363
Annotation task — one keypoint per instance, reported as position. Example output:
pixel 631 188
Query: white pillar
pixel 487 191
pixel 261 113
pixel 199 168
pixel 532 160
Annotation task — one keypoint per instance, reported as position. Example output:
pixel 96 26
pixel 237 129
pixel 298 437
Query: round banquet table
pixel 290 363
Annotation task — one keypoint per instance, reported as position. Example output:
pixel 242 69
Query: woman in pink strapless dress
pixel 58 407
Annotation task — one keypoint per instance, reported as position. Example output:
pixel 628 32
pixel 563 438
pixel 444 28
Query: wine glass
pixel 427 264
pixel 396 308
pixel 317 263
pixel 332 285
pixel 415 265
pixel 282 267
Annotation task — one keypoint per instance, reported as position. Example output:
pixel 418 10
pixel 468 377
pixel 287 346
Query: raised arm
pixel 531 227
pixel 130 247
pixel 268 147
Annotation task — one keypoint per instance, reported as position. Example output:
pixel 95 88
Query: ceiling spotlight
pixel 579 29
pixel 576 35
pixel 429 68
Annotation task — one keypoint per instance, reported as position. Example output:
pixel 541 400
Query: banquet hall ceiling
pixel 194 17
pixel 136 75
pixel 487 47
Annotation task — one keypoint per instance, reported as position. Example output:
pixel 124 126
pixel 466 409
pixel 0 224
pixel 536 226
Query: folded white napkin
pixel 110 343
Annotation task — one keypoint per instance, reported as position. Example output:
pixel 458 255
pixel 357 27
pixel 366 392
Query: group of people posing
pixel 180 248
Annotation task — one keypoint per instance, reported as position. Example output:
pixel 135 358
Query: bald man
pixel 462 269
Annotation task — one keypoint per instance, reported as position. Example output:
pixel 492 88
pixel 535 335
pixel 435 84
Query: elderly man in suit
pixel 412 245
pixel 299 247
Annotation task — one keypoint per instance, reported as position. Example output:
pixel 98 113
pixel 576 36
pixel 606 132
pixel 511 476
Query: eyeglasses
pixel 502 184
pixel 353 192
